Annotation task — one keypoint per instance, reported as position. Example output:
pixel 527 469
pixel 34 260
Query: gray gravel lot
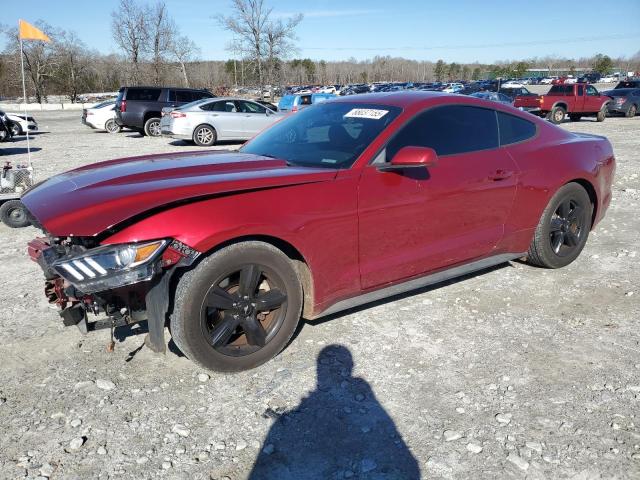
pixel 514 373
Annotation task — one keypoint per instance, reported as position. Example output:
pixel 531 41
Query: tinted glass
pixel 580 90
pixel 222 106
pixel 143 94
pixel 250 107
pixel 330 135
pixel 514 129
pixel 184 96
pixel 449 130
pixel 591 91
pixel 561 90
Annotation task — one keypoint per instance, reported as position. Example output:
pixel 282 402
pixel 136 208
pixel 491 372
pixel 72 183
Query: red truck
pixel 578 100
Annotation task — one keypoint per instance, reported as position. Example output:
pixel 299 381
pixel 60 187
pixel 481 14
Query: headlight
pixel 111 266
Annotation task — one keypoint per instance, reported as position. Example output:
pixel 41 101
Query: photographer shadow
pixel 339 430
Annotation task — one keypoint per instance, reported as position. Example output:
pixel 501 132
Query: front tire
pixel 602 114
pixel 16 129
pixel 14 214
pixel 205 136
pixel 563 229
pixel 152 127
pixel 633 110
pixel 238 308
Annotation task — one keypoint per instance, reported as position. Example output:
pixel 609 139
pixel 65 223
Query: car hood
pixel 91 199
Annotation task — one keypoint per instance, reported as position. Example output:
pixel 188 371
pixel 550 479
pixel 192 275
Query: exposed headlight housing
pixel 111 266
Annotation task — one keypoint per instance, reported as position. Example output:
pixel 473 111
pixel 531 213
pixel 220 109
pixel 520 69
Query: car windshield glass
pixel 193 104
pixel 286 102
pixel 330 135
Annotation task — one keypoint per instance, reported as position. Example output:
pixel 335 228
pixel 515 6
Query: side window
pixel 449 130
pixel 198 95
pixel 184 96
pixel 208 107
pixel 580 90
pixel 223 106
pixel 514 129
pixel 143 94
pixel 250 107
pixel 591 91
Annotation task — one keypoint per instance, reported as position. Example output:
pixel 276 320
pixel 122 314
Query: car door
pixel 418 220
pixel 224 116
pixel 593 100
pixel 580 99
pixel 254 118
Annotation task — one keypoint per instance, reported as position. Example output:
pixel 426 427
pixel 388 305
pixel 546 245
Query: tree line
pixel 263 53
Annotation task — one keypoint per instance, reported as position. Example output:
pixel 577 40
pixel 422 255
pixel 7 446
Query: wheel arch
pixel 591 191
pixel 151 114
pixel 301 264
pixel 562 104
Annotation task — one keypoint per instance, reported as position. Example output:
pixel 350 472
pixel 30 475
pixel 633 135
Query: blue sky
pixel 461 31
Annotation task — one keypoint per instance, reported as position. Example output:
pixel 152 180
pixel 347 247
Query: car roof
pixel 402 98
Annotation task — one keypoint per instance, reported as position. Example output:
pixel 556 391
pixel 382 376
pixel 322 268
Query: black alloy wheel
pixel 238 308
pixel 563 229
pixel 243 310
pixel 567 227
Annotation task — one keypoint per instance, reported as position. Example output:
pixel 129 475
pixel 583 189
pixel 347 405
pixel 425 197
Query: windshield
pixel 286 102
pixel 330 135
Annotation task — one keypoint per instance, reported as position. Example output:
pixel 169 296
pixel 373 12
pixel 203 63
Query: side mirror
pixel 411 157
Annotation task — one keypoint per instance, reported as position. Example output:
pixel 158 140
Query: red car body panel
pixel 357 229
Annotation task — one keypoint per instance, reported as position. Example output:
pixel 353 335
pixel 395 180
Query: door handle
pixel 500 175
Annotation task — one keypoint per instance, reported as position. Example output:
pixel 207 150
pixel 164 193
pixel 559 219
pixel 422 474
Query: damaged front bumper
pixel 128 283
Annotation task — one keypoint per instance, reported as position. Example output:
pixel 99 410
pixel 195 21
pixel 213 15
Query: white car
pixel 327 89
pixel 608 79
pixel 547 80
pixel 210 120
pixel 453 87
pixel 102 117
pixel 513 84
pixel 20 123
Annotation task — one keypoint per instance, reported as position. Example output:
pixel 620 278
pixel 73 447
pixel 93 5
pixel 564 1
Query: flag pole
pixel 24 94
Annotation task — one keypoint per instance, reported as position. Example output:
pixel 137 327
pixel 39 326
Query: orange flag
pixel 29 32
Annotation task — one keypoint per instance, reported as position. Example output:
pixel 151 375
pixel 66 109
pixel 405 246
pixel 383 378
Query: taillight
pixel 294 108
pixel 89 113
pixel 177 115
pixel 123 106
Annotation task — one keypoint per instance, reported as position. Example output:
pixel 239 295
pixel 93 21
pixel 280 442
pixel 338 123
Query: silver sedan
pixel 210 120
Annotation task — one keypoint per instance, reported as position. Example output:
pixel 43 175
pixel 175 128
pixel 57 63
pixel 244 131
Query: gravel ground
pixel 517 372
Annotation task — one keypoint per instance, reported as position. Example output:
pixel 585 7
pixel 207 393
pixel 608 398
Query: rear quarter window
pixel 514 129
pixel 561 90
pixel 143 94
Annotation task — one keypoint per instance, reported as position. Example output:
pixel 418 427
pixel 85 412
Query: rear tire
pixel 556 115
pixel 200 313
pixel 152 127
pixel 563 229
pixel 111 126
pixel 633 110
pixel 205 136
pixel 14 214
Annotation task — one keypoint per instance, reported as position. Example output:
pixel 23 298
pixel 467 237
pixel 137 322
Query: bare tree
pixel 279 38
pixel 183 50
pixel 40 59
pixel 130 30
pixel 72 74
pixel 162 35
pixel 260 36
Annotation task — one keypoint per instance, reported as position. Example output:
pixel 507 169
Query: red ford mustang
pixel 344 203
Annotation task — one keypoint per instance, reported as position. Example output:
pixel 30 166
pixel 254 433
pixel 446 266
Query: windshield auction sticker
pixel 371 113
